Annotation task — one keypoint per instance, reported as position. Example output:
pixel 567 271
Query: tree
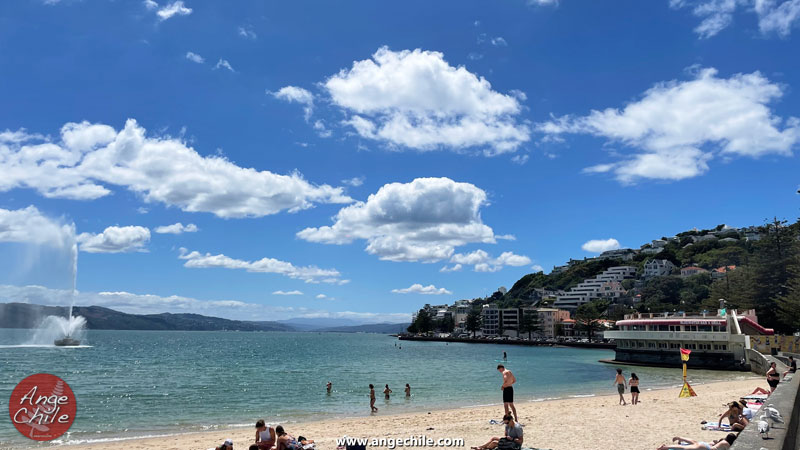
pixel 423 322
pixel 588 316
pixel 789 303
pixel 529 323
pixel 473 322
pixel 738 288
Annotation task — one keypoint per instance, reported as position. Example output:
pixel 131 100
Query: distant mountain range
pixel 25 315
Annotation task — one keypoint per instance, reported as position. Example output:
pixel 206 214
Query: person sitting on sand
pixel 792 366
pixel 227 445
pixel 513 433
pixel 735 417
pixel 620 382
pixel 288 442
pixel 387 391
pixel 634 384
pixel 265 435
pixel 691 444
pixel 773 378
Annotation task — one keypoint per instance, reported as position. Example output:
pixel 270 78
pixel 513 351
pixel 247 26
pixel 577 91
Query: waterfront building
pixel 549 318
pixel 490 320
pixel 717 341
pixel 594 288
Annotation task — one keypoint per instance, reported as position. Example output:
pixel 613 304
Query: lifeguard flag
pixel 685 354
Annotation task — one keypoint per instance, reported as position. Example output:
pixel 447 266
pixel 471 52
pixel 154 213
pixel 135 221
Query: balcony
pixel 704 336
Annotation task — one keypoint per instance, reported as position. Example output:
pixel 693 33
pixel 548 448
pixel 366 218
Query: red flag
pixel 685 354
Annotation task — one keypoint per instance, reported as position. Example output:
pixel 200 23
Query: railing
pixel 711 336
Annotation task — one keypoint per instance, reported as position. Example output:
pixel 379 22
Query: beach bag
pixel 506 444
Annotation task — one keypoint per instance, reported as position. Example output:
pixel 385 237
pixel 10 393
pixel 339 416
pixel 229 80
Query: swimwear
pixel 635 389
pixel 773 382
pixel 708 446
pixel 621 388
pixel 508 395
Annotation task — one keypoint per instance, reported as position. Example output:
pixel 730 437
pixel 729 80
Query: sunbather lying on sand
pixel 288 442
pixel 691 444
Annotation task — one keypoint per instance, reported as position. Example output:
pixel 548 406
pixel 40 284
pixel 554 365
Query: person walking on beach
pixel 372 398
pixel 387 391
pixel 621 384
pixel 408 390
pixel 508 390
pixel 634 384
pixel 792 366
pixel 773 377
pixel 329 386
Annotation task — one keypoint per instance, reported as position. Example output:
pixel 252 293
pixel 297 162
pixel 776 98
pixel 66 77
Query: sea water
pixel 145 383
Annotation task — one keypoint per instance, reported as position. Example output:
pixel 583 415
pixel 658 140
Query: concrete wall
pixel 781 436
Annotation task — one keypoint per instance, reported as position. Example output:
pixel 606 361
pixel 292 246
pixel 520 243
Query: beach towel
pixel 714 426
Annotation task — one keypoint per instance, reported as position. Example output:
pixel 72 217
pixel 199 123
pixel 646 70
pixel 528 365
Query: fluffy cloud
pixel 154 304
pixel 247 32
pixel 172 9
pixel 29 226
pixel 194 57
pixel 93 156
pixel 483 262
pixel 287 293
pixel 294 94
pixel 417 288
pixel 600 245
pixel 115 240
pixel 537 268
pixel 176 228
pixel 224 64
pixel 453 268
pixel 774 16
pixel 355 181
pixel 677 127
pixel 309 274
pixel 150 5
pixel 423 220
pixel 416 99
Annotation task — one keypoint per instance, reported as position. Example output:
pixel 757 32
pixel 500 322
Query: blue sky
pixel 376 156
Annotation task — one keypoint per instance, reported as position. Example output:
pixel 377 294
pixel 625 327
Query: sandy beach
pixel 566 424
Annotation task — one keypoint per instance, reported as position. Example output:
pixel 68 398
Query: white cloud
pixel 224 64
pixel 153 304
pixel 537 268
pixel 774 16
pixel 287 293
pixel 519 159
pixel 600 245
pixel 677 127
pixel 29 226
pixel 324 297
pixel 172 9
pixel 115 240
pixel 294 94
pixel 142 210
pixel 150 5
pixel 247 32
pixel 543 2
pixel 453 268
pixel 417 288
pixel 355 181
pixel 423 220
pixel 160 169
pixel 309 274
pixel 483 262
pixel 498 42
pixel 176 228
pixel 194 57
pixel 416 99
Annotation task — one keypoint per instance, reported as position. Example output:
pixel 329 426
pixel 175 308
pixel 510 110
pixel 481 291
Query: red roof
pixel 724 269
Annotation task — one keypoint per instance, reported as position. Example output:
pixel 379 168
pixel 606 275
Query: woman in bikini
pixel 691 444
pixel 735 417
pixel 773 377
pixel 387 391
pixel 288 442
pixel 634 384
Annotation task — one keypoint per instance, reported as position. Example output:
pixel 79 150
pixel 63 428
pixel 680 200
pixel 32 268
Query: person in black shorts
pixel 634 384
pixel 773 378
pixel 508 390
pixel 792 366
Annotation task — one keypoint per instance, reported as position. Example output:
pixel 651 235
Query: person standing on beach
pixel 387 391
pixel 773 377
pixel 329 386
pixel 621 384
pixel 634 384
pixel 508 390
pixel 372 398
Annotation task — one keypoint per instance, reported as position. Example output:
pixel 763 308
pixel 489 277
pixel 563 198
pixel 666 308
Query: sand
pixel 567 424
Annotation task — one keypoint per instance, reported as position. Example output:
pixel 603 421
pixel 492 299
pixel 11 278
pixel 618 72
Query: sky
pixel 265 160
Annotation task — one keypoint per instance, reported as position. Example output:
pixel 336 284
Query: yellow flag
pixel 685 354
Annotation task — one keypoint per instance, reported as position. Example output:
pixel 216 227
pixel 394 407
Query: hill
pixel 24 315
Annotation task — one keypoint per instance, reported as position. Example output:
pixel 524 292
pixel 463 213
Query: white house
pixel 658 268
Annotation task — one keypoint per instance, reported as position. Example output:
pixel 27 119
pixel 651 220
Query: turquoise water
pixel 135 383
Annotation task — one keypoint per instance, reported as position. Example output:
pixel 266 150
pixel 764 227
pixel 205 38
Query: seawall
pixel 508 342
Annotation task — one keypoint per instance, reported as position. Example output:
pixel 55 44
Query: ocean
pixel 149 383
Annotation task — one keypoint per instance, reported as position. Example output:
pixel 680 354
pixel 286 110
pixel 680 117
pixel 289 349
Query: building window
pixel 662 345
pixel 674 345
pixel 651 345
